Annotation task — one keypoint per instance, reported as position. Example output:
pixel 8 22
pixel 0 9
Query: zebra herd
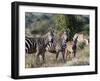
pixel 48 42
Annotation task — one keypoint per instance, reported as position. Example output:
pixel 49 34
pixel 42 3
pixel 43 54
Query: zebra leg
pixel 57 54
pixel 37 57
pixel 43 57
pixel 63 55
pixel 74 53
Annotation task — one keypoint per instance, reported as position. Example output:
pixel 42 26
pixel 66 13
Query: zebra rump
pixel 30 45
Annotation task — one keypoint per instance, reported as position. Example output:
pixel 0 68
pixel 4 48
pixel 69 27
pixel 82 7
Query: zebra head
pixel 50 36
pixel 64 37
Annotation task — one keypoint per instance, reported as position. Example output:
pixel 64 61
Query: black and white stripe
pixel 58 46
pixel 51 47
pixel 30 45
pixel 38 44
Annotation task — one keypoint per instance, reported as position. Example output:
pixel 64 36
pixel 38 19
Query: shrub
pixel 81 45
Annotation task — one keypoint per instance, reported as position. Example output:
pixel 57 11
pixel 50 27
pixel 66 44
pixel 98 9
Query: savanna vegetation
pixel 40 23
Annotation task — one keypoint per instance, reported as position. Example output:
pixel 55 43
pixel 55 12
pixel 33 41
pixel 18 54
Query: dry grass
pixel 82 58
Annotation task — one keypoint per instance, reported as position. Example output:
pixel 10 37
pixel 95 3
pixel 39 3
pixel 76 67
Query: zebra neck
pixel 46 41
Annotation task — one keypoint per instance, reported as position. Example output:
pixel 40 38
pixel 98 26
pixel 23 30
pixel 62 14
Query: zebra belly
pixel 30 51
pixel 52 51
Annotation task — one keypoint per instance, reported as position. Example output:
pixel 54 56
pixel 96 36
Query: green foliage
pixel 42 22
pixel 76 24
pixel 60 23
pixel 86 29
pixel 81 45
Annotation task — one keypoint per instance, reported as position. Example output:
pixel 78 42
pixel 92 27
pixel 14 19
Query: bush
pixel 81 45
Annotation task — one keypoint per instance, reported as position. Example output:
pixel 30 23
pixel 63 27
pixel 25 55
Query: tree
pixel 76 24
pixel 60 23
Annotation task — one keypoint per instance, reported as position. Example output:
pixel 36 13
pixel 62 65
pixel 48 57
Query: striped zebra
pixel 38 45
pixel 30 45
pixel 59 45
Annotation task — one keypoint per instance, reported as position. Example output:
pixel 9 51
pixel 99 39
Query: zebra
pixel 59 45
pixel 42 43
pixel 38 45
pixel 30 45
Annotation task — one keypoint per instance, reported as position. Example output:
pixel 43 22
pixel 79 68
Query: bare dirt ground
pixel 82 58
